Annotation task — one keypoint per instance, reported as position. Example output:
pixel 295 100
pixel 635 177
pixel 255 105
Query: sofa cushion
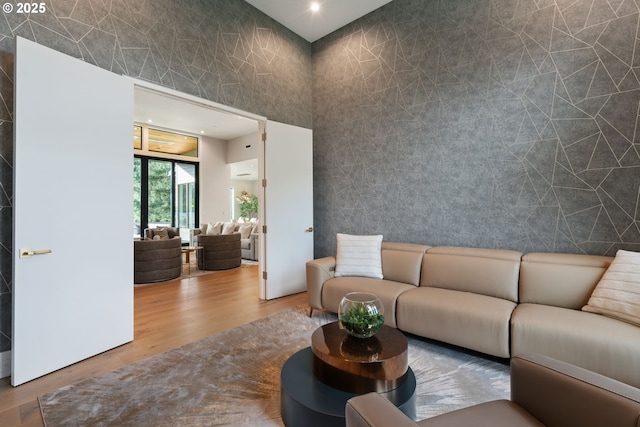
pixel 359 256
pixel 465 319
pixel 401 262
pixel 561 280
pixel 617 294
pixel 598 343
pixel 402 266
pixel 211 229
pixel 388 291
pixel 160 234
pixel 245 230
pixel 490 272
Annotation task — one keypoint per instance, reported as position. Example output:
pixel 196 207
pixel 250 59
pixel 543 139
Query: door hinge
pixel 264 136
pixel 264 229
pixel 264 183
pixel 264 275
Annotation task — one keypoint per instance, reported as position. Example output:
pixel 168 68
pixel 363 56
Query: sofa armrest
pixel 561 394
pixel 372 409
pixel 319 271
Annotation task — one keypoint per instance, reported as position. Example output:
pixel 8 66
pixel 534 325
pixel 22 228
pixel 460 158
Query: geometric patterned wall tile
pixel 526 113
pixel 226 51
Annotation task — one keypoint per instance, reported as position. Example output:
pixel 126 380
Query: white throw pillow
pixel 228 227
pixel 214 229
pixel 617 294
pixel 245 230
pixel 359 256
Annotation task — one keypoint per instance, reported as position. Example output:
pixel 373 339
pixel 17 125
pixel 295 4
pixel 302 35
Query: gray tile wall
pixel 487 123
pixel 222 50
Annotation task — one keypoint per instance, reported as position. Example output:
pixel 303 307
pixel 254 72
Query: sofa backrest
pixel 491 272
pixel 401 262
pixel 561 280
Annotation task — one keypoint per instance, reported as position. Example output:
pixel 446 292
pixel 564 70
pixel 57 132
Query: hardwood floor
pixel 167 315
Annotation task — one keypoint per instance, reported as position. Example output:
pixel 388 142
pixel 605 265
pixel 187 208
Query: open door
pixel 73 192
pixel 287 167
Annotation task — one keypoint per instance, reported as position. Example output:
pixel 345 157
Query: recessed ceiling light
pixel 149 121
pixel 201 131
pixel 315 6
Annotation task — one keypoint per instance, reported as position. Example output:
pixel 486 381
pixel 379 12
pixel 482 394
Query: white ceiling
pixel 169 113
pixel 297 15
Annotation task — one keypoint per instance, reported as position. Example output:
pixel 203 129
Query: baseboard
pixel 5 364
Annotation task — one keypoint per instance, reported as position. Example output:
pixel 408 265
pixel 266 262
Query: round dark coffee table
pixel 317 381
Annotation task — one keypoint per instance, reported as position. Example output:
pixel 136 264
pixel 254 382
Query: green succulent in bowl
pixel 361 321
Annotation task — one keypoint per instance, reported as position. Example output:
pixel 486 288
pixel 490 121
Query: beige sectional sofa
pixel 499 302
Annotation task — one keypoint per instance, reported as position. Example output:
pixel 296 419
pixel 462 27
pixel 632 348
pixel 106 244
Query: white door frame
pixel 261 120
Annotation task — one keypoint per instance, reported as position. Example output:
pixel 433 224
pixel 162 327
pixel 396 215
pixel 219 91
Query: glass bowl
pixel 361 314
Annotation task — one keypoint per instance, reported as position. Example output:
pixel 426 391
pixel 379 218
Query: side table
pixel 187 250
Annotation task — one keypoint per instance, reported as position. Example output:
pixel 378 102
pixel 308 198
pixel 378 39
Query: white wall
pixel 215 181
pixel 239 150
pixel 243 148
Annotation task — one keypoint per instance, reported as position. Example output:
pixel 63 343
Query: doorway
pixel 226 138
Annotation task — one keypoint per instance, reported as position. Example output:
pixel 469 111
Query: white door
pixel 288 209
pixel 73 195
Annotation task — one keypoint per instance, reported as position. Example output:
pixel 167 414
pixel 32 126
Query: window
pixel 165 194
pixel 159 194
pixel 185 188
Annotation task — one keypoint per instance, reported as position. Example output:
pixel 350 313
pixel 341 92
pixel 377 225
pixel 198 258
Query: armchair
pixel 544 392
pixel 157 260
pixel 219 252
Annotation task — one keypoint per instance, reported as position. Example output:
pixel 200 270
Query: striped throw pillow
pixel 617 294
pixel 359 256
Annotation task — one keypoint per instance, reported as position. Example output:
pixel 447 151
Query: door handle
pixel 28 252
pixel 309 230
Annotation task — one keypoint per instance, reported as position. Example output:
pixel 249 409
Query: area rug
pixel 233 378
